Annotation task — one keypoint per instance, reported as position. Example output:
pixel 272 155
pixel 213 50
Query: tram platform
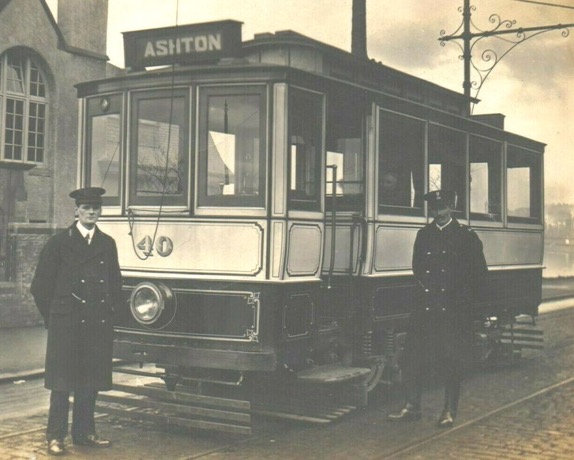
pixel 23 349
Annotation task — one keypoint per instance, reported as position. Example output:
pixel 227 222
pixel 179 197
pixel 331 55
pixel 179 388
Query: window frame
pixel 536 186
pixel 133 200
pixel 114 105
pixel 403 211
pixel 26 98
pixel 204 92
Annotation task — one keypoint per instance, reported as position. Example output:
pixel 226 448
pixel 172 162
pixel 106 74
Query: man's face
pixel 441 212
pixel 88 214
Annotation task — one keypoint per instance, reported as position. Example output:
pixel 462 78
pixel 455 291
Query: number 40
pixel 163 245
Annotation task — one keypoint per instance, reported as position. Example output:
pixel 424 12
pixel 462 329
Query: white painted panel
pixel 278 249
pixel 394 248
pixel 512 248
pixel 304 250
pixel 342 248
pixel 217 248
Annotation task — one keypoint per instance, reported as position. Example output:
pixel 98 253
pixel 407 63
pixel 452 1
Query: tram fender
pixel 265 360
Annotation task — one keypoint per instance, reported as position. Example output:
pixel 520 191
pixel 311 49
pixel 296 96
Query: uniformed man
pixel 449 269
pixel 75 287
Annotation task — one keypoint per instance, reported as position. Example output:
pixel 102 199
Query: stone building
pixel 41 59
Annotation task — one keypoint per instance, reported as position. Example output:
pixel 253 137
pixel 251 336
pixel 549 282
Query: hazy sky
pixel 532 85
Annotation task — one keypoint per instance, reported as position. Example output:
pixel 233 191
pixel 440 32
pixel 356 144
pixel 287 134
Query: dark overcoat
pixel 76 287
pixel 450 271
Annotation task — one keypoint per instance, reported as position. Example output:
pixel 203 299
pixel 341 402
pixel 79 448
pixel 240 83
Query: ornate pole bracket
pixel 471 35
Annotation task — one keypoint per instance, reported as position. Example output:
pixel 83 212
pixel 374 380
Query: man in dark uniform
pixel 76 286
pixel 449 269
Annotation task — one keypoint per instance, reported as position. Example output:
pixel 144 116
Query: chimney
pixel 84 24
pixel 359 32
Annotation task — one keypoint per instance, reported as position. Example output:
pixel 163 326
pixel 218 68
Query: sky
pixel 532 85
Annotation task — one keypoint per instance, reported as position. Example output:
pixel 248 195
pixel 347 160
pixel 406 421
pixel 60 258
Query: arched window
pixel 23 107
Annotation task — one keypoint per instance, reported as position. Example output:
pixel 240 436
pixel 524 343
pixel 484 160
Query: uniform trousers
pixel 83 414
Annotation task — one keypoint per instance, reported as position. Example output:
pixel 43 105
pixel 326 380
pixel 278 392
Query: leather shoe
pixel 92 440
pixel 446 419
pixel 56 447
pixel 409 413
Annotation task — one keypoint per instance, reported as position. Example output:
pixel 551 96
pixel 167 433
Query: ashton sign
pixel 182 44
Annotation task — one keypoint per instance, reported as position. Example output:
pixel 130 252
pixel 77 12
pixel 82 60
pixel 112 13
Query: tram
pixel 265 196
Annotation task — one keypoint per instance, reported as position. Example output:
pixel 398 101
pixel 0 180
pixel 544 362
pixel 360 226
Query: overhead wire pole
pixel 502 27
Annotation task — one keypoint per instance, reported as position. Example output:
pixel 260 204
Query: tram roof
pixel 282 53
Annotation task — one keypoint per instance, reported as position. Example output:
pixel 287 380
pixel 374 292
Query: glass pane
pixel 15 74
pixel 105 153
pixel 485 183
pixel 401 164
pixel 13 129
pixel 447 163
pixel 305 134
pixel 233 145
pixel 37 86
pixel 160 153
pixel 344 146
pixel 523 185
pixel 35 133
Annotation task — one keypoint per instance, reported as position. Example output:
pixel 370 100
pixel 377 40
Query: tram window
pixel 447 163
pixel 523 175
pixel 159 153
pixel 401 164
pixel 232 147
pixel 485 179
pixel 103 145
pixel 344 149
pixel 305 134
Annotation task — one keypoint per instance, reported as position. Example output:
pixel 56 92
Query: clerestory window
pixel 23 110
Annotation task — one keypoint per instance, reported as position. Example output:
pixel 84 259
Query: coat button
pixel 103 321
pixel 83 301
pixel 101 262
pixel 427 308
pixel 426 290
pixel 429 253
pixel 103 301
pixel 82 281
pixel 101 281
pixel 428 271
pixel 83 321
pixel 442 290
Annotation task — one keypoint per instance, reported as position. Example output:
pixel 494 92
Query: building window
pixel 23 104
pixel 401 164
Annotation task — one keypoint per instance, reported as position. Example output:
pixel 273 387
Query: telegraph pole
pixel 471 35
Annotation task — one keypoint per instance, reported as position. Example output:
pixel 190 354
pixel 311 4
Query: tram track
pixel 462 426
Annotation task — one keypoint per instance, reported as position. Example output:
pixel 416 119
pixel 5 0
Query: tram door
pixel 344 200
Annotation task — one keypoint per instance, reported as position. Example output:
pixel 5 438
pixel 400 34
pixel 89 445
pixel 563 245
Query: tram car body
pixel 265 197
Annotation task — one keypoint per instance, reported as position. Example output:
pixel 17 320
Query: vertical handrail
pixel 333 223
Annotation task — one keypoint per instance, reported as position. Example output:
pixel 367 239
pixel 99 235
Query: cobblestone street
pixel 525 411
pixel 541 428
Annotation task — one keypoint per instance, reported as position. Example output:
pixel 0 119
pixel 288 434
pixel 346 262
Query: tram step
pixel 332 373
pixel 156 404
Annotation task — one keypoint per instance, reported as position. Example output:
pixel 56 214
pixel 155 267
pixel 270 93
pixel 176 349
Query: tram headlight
pixel 148 301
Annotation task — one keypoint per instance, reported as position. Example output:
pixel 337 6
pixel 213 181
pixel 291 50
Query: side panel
pixel 304 250
pixel 198 248
pixel 512 247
